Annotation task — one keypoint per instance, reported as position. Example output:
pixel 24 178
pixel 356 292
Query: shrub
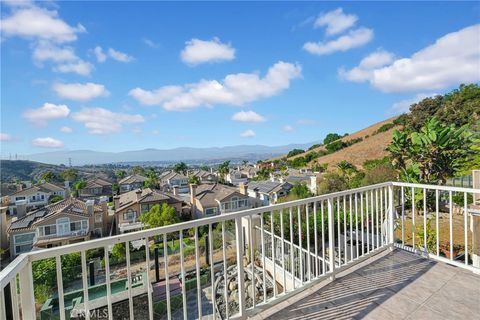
pixel 294 152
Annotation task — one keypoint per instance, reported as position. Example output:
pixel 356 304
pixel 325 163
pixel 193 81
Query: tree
pixel 332 182
pixel 77 186
pixel 346 168
pixel 69 174
pixel 294 152
pixel 48 176
pixel 153 181
pixel 55 199
pixel 300 190
pixel 193 179
pixel 121 174
pixel 432 154
pixel 159 216
pixel 138 170
pixel 180 167
pixel 223 170
pixel 245 162
pixel 331 137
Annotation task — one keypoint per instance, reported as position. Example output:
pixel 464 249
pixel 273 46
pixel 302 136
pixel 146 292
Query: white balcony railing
pixel 273 251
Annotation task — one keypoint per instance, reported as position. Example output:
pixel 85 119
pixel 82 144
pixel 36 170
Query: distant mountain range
pixel 191 155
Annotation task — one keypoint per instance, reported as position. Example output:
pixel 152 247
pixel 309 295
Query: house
pixel 268 191
pixel 132 182
pixel 309 179
pixel 249 170
pixel 68 221
pixel 96 187
pixel 170 180
pixel 35 196
pixel 213 199
pixel 129 206
pixel 236 177
pixel 204 176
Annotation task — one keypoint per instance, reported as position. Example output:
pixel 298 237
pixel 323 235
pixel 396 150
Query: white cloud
pixel 234 89
pixel 80 92
pixel 248 116
pixel 103 121
pixel 5 137
pixel 66 130
pixel 47 142
pixel 248 134
pixel 353 39
pixel 453 59
pixel 33 22
pixel 288 128
pixel 198 51
pixel 48 111
pixel 367 66
pixel 45 50
pixel 404 105
pixel 101 57
pixel 336 21
pixel 119 56
pixel 150 43
pixel 79 67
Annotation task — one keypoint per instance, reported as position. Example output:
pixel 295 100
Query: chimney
pixel 3 228
pixel 116 202
pixel 138 193
pixel 21 208
pixel 66 184
pixel 272 177
pixel 19 187
pixel 89 204
pixel 211 170
pixel 243 188
pixel 313 184
pixel 104 202
pixel 175 190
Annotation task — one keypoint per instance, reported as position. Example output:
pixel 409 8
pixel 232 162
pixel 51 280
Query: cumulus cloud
pixel 353 39
pixel 288 128
pixel 33 22
pixel 79 67
pixel 404 105
pixel 47 142
pixel 453 59
pixel 79 91
pixel 248 134
pixel 248 116
pixel 119 56
pixel 101 57
pixel 48 111
pixel 367 66
pixel 111 53
pixel 66 130
pixel 46 50
pixel 103 121
pixel 5 137
pixel 335 21
pixel 234 89
pixel 198 51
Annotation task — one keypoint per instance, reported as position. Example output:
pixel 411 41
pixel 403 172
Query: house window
pixel 145 208
pixel 23 242
pixel 98 218
pixel 210 211
pixel 129 215
pixel 63 226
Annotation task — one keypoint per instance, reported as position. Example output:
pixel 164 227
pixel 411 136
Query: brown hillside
pixel 368 149
pixel 359 134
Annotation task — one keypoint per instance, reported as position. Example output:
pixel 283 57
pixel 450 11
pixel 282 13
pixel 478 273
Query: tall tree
pixel 69 174
pixel 223 170
pixel 121 174
pixel 48 176
pixel 159 216
pixel 433 153
pixel 180 167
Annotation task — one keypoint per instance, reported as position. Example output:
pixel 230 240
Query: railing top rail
pixel 435 187
pixel 12 269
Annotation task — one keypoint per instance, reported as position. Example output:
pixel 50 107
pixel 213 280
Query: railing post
pixel 390 232
pixel 240 272
pixel 331 239
pixel 27 297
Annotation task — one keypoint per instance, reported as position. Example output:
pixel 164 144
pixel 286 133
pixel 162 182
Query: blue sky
pixel 127 75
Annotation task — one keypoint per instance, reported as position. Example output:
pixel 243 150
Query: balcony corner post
pixel 331 239
pixel 391 216
pixel 240 268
